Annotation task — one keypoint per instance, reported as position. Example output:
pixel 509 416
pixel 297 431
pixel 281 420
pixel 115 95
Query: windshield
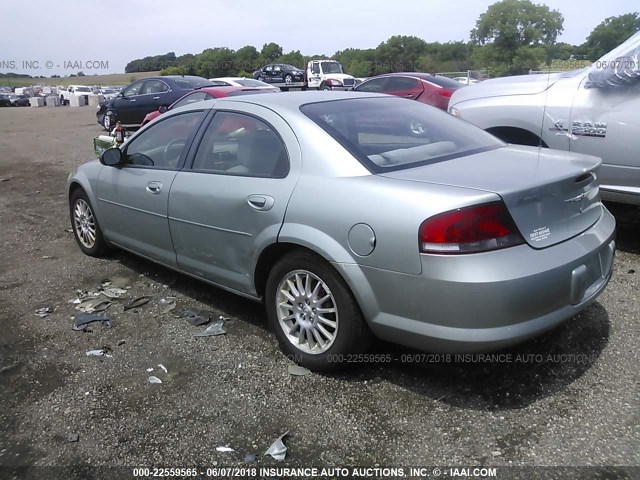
pixel 249 82
pixel 331 67
pixel 390 133
pixel 83 89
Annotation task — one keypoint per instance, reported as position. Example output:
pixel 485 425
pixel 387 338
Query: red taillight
pixel 445 93
pixel 468 230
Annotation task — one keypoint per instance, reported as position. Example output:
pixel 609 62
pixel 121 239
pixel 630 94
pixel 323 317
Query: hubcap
pixel 84 224
pixel 307 311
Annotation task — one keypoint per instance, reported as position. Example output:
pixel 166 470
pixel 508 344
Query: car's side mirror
pixel 111 157
pixel 162 108
pixel 121 94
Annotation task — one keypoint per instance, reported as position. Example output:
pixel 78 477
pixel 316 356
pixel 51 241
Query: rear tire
pixel 84 223
pixel 313 313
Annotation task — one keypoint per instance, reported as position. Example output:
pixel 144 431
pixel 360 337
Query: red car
pixel 434 90
pixel 204 93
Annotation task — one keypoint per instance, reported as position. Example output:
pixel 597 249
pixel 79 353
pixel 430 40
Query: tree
pixel 270 53
pixel 609 34
pixel 511 24
pixel 247 59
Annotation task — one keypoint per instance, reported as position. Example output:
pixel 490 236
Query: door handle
pixel 156 98
pixel 154 188
pixel 132 100
pixel 260 202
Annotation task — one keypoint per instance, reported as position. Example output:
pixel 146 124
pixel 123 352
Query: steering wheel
pixel 175 145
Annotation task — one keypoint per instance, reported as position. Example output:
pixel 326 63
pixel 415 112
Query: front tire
pixel 288 79
pixel 84 223
pixel 313 313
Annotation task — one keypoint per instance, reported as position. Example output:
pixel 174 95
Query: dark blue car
pixel 143 96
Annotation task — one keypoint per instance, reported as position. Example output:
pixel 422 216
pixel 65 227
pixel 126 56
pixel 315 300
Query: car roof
pixel 285 102
pixel 439 80
pixel 223 89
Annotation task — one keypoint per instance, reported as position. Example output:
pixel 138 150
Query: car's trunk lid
pixel 551 195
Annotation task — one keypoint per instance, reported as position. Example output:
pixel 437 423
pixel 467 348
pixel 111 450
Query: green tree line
pixel 511 37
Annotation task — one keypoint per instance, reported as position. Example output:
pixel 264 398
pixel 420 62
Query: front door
pixel 126 103
pixel 230 204
pixel 133 198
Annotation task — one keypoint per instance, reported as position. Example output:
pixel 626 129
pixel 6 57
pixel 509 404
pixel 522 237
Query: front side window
pixel 161 145
pixel 390 133
pixel 239 144
pixel 375 85
pixel 401 83
pixel 133 89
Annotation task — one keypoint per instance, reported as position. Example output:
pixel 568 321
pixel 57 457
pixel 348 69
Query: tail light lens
pixel 479 228
pixel 445 93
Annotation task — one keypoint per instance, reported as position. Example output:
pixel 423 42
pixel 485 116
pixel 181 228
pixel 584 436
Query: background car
pixel 5 100
pixel 434 90
pixel 465 80
pixel 593 110
pixel 19 100
pixel 144 96
pixel 202 94
pixel 279 73
pixel 451 241
pixel 242 82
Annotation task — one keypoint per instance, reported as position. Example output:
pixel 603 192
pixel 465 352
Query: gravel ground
pixel 569 398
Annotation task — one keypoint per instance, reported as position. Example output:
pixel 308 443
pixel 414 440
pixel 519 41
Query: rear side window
pixel 388 133
pixel 192 98
pixel 401 83
pixel 239 144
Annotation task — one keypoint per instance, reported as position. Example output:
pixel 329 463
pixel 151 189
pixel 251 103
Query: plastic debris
pixel 95 305
pixel 250 458
pixel 163 368
pixel 47 257
pixel 138 302
pixel 82 319
pixel 169 303
pixel 224 449
pixel 298 371
pixel 98 353
pixel 121 342
pixel 212 330
pixel 44 312
pixel 278 450
pixel 153 379
pixel 113 292
pixel 195 317
pixel 150 369
pixel 5 179
pixel 73 437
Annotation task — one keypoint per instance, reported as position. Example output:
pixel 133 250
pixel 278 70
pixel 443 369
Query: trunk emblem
pixel 578 198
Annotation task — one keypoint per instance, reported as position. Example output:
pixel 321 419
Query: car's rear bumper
pixel 482 302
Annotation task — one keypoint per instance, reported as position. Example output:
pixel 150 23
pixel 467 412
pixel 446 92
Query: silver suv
pixel 595 110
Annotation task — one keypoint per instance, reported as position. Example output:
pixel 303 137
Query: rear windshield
pixel 249 82
pixel 193 82
pixel 390 133
pixel 249 92
pixel 445 82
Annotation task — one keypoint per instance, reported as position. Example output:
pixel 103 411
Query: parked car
pixel 323 74
pixel 144 96
pixel 279 73
pixel 5 100
pixel 434 90
pixel 201 94
pixel 109 93
pixel 19 100
pixel 242 82
pixel 465 80
pixel 452 242
pixel 75 91
pixel 593 110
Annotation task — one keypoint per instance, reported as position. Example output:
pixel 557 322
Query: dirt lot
pixel 568 398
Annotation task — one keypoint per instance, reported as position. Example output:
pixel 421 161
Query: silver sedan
pixel 356 215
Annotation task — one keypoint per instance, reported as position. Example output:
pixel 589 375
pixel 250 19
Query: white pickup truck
pixel 327 75
pixel 77 90
pixel 595 110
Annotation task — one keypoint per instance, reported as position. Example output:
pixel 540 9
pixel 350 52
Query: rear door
pixel 230 205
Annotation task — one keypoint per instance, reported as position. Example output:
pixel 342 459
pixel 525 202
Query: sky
pixel 44 38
